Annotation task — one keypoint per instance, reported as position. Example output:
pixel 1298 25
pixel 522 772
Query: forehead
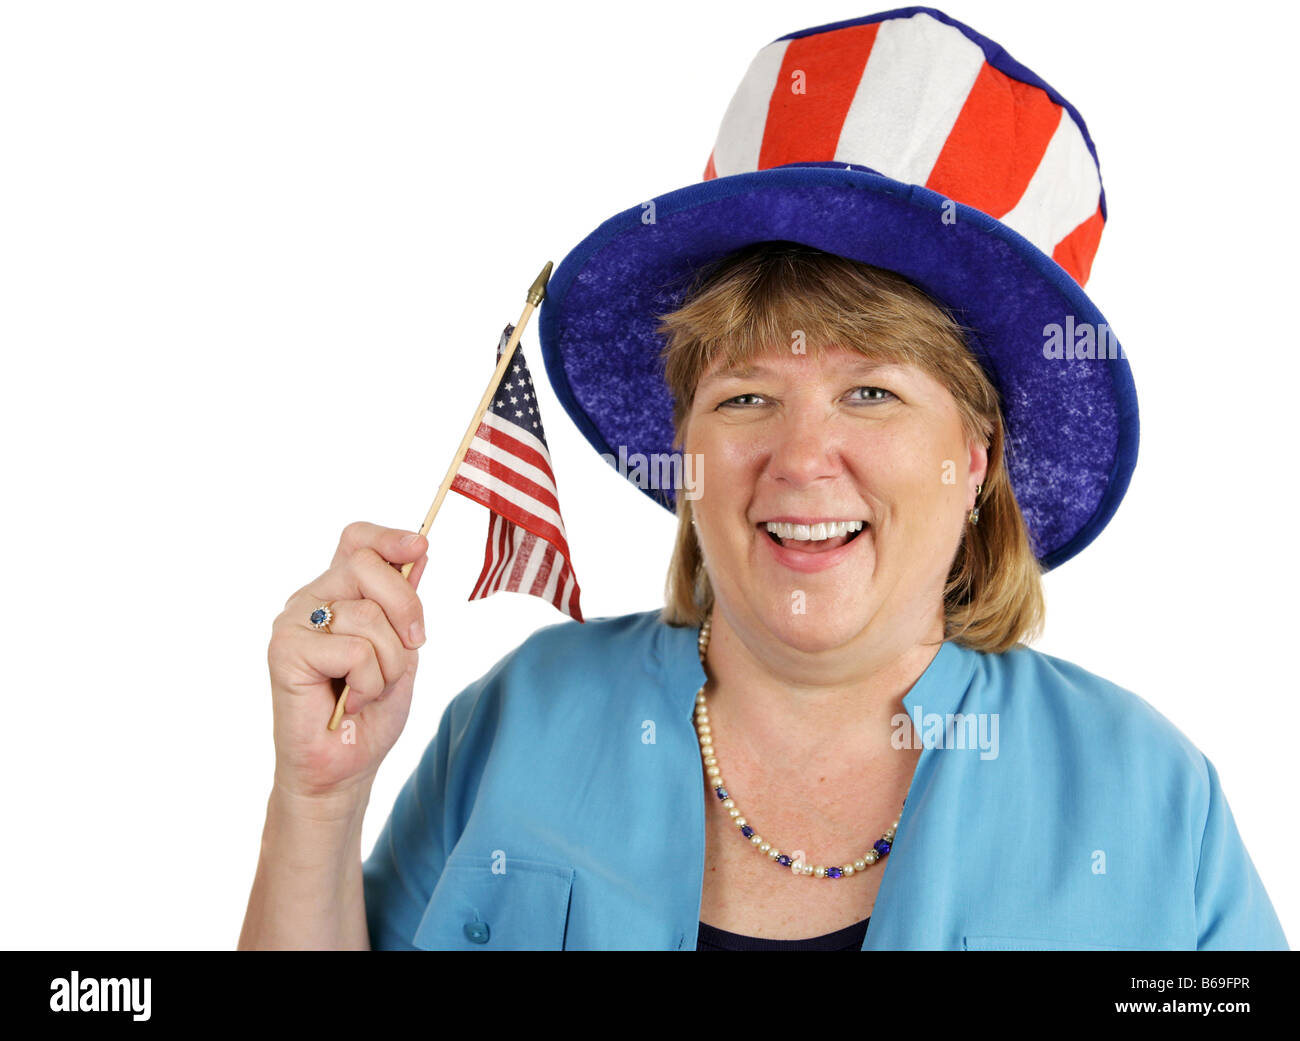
pixel 849 362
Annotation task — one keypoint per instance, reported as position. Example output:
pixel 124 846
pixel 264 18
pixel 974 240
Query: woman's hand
pixel 377 626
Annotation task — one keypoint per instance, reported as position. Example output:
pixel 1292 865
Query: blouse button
pixel 477 932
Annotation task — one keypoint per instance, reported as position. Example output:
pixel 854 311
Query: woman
pixel 842 651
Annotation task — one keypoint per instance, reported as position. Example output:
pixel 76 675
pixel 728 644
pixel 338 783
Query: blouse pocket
pixel 1024 943
pixel 524 907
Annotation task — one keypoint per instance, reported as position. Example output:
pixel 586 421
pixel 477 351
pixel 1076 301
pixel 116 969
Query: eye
pixel 738 397
pixel 888 394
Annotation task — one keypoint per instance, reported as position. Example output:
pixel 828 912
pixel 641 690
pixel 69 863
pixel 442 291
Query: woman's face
pixel 808 439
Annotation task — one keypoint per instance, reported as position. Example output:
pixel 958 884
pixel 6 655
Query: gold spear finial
pixel 538 289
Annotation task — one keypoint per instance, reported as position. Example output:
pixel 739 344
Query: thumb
pixel 403 546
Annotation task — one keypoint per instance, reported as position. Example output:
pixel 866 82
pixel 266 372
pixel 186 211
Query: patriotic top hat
pixel 904 116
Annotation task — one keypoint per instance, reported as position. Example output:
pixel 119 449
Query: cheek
pixel 921 480
pixel 729 465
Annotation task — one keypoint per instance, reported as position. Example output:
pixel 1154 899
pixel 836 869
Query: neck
pixel 788 701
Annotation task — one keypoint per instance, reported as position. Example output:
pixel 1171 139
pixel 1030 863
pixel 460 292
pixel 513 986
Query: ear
pixel 978 465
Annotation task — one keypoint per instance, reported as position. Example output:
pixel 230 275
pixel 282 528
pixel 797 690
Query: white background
pixel 254 260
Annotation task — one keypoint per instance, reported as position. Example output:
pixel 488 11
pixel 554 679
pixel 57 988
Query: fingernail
pixel 410 540
pixel 417 634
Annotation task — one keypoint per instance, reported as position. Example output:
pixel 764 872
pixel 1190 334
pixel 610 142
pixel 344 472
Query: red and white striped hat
pixel 917 98
pixel 908 141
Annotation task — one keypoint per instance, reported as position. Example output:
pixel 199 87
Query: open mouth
pixel 816 538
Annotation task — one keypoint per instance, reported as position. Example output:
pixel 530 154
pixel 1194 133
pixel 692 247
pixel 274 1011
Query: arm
pixel 307 890
pixel 312 889
pixel 1233 911
pixel 307 893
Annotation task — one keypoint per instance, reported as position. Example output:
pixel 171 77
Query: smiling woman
pixel 857 513
pixel 822 323
pixel 843 322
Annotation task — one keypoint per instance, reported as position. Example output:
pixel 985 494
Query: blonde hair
pixel 752 298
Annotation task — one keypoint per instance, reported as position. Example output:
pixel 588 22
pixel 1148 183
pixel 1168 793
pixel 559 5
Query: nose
pixel 803 449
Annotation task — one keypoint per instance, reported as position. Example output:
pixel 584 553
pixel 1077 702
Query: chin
pixel 817 629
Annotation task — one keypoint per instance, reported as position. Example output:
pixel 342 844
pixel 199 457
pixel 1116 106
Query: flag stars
pixel 518 396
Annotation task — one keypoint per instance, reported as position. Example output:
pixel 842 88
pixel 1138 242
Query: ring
pixel 321 617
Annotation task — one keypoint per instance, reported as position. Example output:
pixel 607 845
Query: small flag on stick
pixel 507 468
pixel 509 472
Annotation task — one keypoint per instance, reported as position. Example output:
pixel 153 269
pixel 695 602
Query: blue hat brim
pixel 1071 424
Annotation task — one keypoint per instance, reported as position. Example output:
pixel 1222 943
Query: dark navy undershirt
pixel 849 938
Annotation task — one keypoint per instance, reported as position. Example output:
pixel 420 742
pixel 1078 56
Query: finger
pixel 367 576
pixel 338 657
pixel 393 544
pixel 417 571
pixel 377 581
pixel 366 619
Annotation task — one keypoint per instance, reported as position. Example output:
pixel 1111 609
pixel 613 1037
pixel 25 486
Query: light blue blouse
pixel 561 806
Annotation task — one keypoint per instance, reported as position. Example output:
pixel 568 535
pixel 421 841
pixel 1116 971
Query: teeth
pixel 813 532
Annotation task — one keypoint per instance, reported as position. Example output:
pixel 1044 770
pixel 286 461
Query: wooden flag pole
pixel 535 294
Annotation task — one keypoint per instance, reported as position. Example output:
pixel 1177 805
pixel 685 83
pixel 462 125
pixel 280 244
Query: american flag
pixel 507 468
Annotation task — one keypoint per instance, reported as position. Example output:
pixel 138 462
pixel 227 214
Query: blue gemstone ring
pixel 321 617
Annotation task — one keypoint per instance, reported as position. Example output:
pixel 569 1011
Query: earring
pixel 975 513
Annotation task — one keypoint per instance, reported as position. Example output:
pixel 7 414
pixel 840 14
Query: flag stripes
pixel 507 468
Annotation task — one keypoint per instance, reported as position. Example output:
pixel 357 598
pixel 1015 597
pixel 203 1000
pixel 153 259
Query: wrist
pixel 332 806
pixel 306 836
pixel 335 815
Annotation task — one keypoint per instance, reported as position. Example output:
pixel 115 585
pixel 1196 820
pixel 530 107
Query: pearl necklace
pixel 799 867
